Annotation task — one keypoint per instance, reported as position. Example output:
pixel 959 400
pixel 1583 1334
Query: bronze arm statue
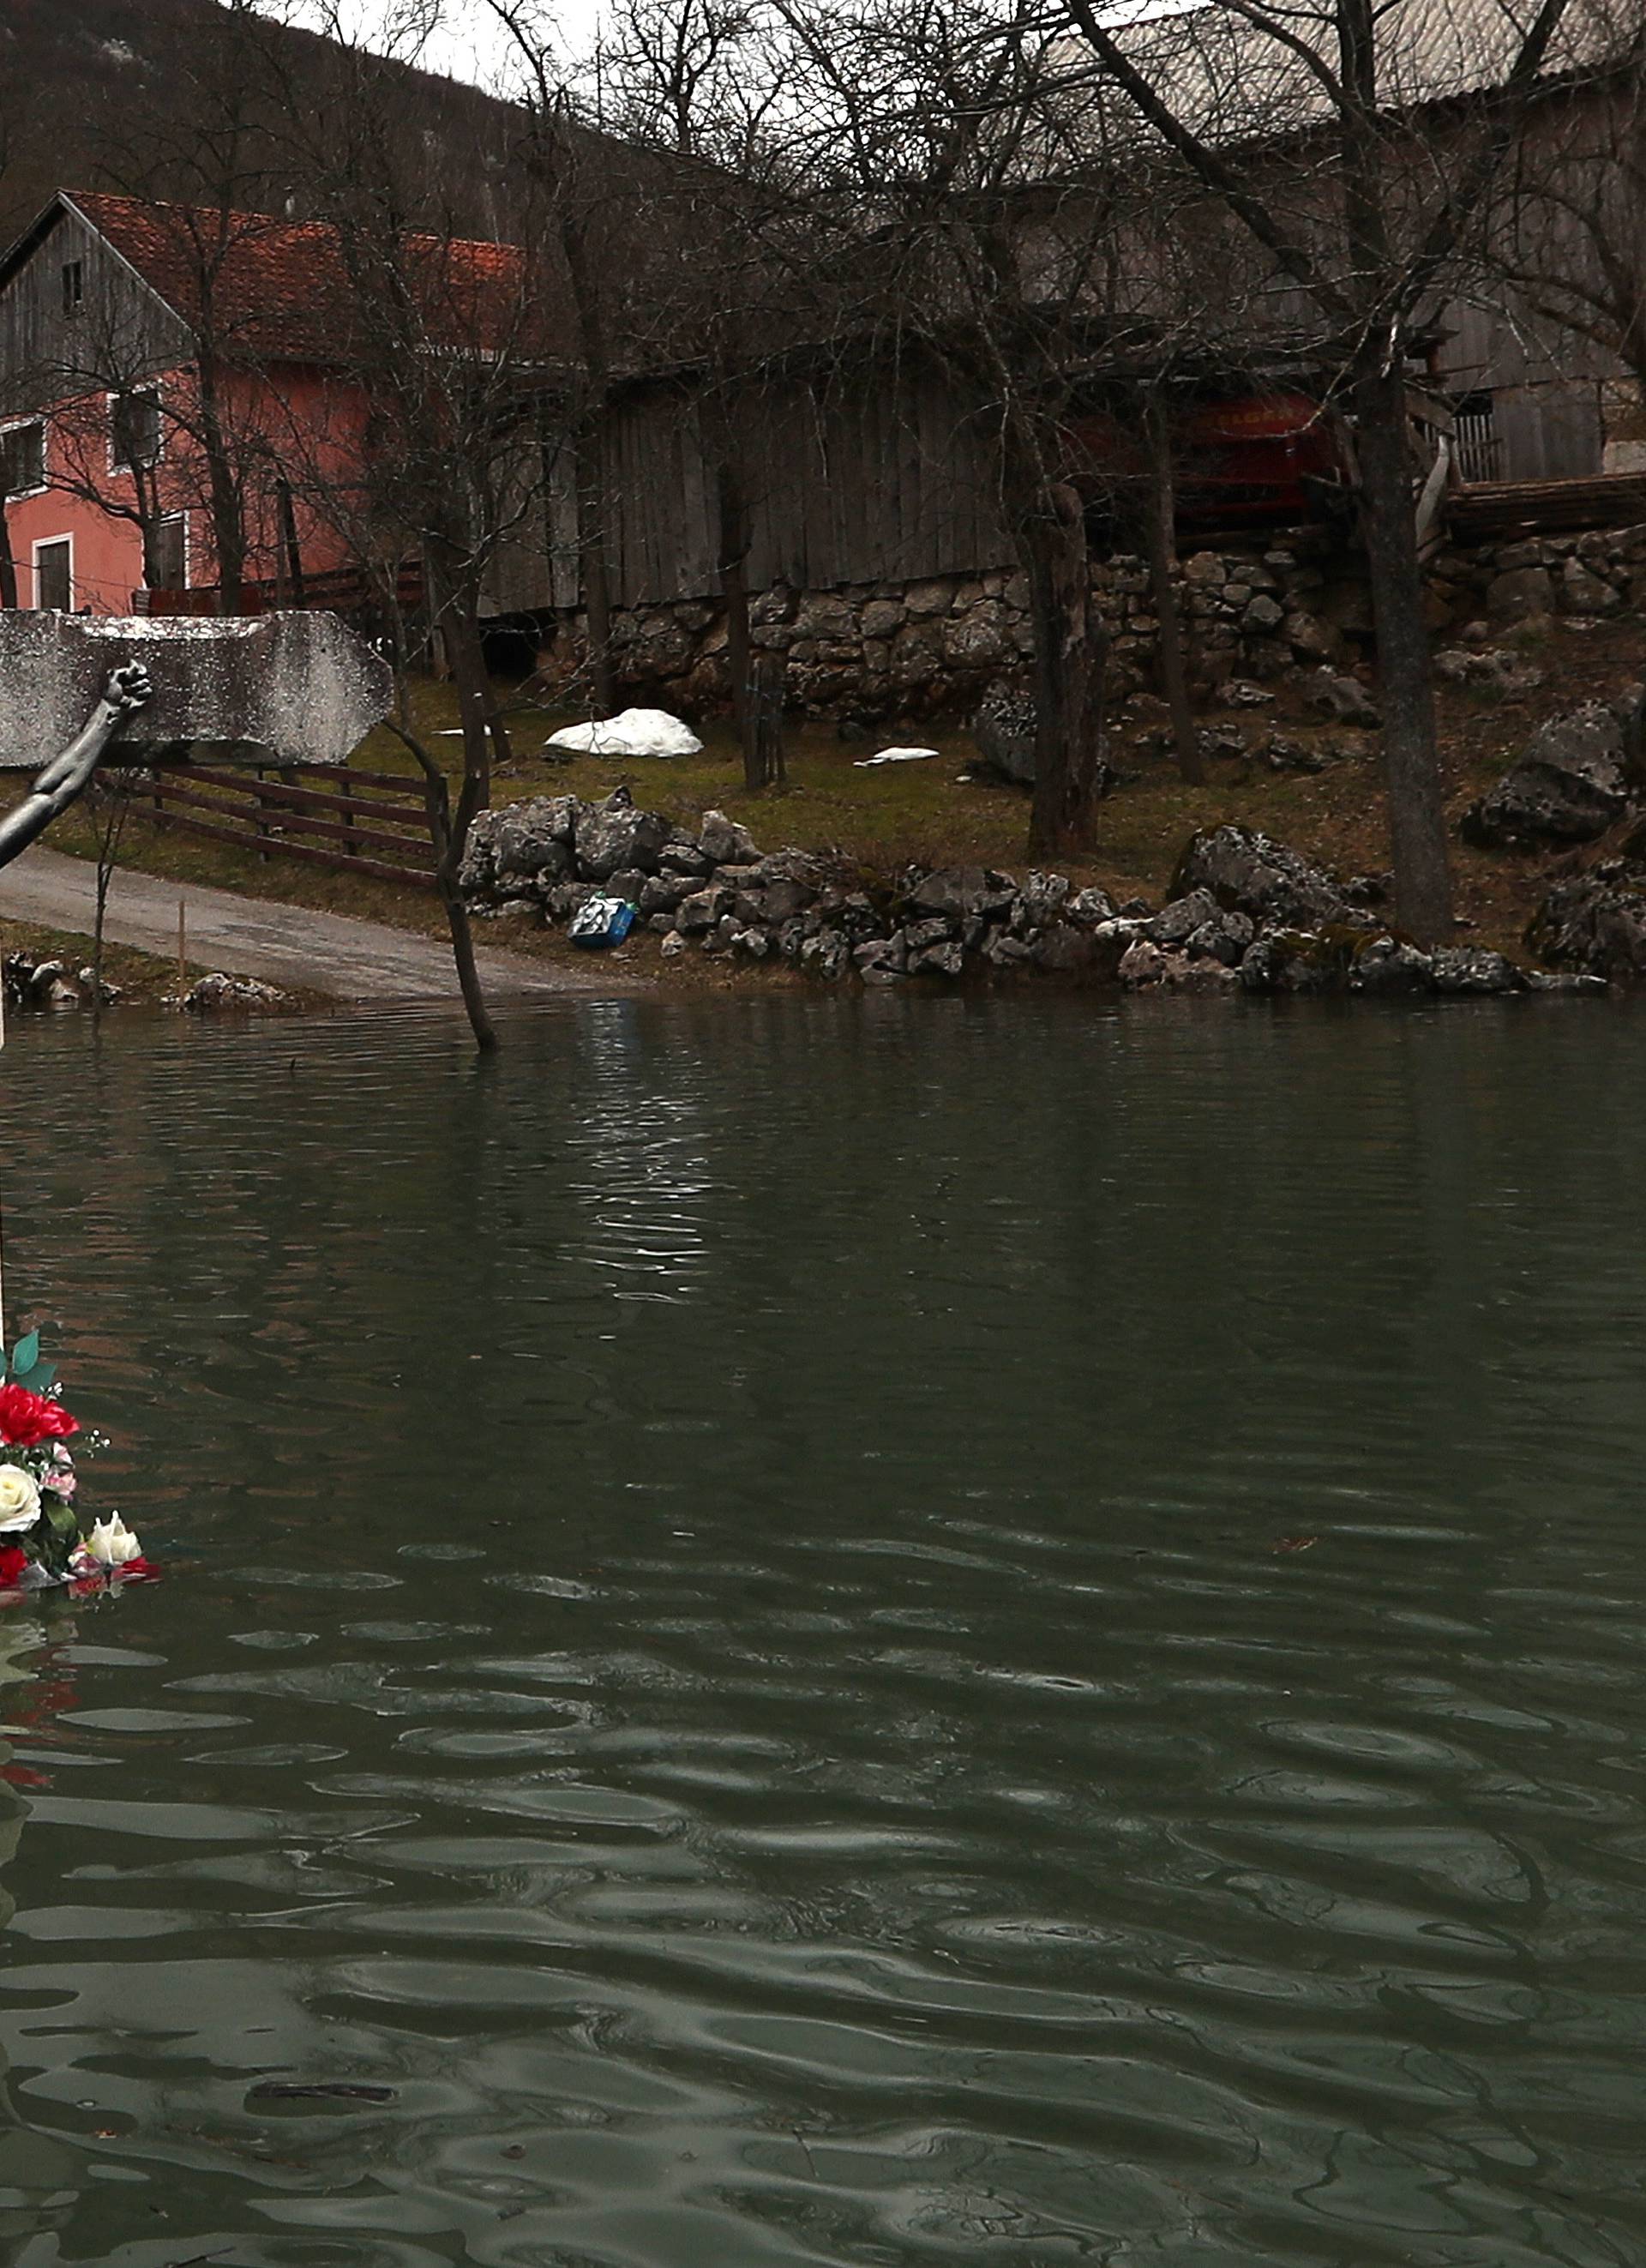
pixel 68 777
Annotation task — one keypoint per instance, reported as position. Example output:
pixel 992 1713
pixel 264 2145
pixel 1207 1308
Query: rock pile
pixel 216 994
pixel 1581 781
pixel 1245 912
pixel 714 891
pixel 32 982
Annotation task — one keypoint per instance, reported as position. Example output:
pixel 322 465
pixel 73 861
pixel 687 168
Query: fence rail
pixel 354 814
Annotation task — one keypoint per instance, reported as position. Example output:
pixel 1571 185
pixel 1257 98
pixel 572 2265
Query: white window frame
pixel 183 516
pixel 118 464
pixel 14 426
pixel 45 543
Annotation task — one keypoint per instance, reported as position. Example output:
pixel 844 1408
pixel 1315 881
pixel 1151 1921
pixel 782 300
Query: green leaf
pixel 61 1517
pixel 24 1355
pixel 40 1380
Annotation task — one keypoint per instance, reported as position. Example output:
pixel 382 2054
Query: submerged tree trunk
pixel 1069 653
pixel 1411 753
pixel 1160 549
pixel 449 824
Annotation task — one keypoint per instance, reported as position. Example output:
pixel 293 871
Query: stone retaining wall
pixel 884 650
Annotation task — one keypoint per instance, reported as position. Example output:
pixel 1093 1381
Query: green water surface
pixel 879 1631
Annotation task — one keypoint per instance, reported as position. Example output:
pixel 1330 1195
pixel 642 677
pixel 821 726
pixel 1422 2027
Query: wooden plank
pixel 251 825
pixel 286 792
pixel 425 879
pixel 1547 508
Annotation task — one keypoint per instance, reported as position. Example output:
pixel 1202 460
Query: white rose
pixel 112 1544
pixel 20 1500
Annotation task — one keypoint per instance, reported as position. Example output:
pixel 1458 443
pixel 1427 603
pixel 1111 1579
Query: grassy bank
pixel 926 813
pixel 143 979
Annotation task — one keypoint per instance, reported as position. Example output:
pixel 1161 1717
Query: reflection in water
pixel 728 1642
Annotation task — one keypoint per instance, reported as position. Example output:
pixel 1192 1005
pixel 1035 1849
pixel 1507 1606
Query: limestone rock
pixel 1090 906
pixel 962 891
pixel 1520 595
pixel 1343 699
pixel 1062 950
pixel 1387 968
pixel 724 843
pixel 1041 899
pixel 698 913
pixel 1595 923
pixel 1297 961
pixel 1003 730
pixel 614 834
pixel 216 993
pixel 1472 969
pixel 1582 592
pixel 1569 786
pixel 1250 873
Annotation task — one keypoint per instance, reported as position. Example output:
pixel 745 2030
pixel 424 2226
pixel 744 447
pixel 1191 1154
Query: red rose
pixel 13 1560
pixel 26 1420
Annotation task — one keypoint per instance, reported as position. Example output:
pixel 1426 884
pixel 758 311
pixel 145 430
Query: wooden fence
pixel 347 819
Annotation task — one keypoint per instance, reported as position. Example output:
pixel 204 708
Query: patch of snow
pixel 634 733
pixel 894 756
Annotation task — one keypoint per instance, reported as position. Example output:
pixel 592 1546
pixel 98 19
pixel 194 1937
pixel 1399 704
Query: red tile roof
pixel 295 290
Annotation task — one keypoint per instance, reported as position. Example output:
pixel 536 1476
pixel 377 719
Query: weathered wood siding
pixel 120 332
pixel 1544 386
pixel 880 477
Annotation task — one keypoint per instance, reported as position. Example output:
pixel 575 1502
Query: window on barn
pixel 167 557
pixel 135 422
pixel 23 458
pixel 73 286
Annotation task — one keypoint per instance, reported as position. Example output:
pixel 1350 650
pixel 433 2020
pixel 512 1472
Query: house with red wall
pixel 177 392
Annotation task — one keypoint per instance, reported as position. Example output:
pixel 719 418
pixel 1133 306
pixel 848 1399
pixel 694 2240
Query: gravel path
pixel 293 945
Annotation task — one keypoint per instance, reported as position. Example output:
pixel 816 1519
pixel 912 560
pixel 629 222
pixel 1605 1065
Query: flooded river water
pixel 803 1631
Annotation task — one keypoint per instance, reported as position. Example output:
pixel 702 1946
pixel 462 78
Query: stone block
pixel 264 689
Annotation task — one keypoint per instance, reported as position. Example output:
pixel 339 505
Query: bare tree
pixel 939 210
pixel 1321 136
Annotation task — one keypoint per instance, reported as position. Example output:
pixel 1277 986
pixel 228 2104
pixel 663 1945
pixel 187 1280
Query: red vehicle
pixel 1270 460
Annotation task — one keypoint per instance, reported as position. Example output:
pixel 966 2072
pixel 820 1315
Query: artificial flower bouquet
pixel 40 1538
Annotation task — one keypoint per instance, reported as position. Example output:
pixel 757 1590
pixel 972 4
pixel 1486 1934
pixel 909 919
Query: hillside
pixel 132 94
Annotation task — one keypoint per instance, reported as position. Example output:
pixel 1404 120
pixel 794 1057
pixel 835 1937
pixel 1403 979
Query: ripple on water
pixel 1014 1637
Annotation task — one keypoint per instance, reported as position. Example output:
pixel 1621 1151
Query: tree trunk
pixel 467 973
pixel 734 589
pixel 228 532
pixel 1160 548
pixel 450 577
pixel 1070 643
pixel 596 574
pixel 1411 755
pixel 764 764
pixel 291 550
pixel 8 563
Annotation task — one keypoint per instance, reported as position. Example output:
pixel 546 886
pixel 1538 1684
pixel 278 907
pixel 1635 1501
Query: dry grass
pixel 926 813
pixel 141 978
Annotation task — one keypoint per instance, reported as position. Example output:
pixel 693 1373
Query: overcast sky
pixel 470 45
